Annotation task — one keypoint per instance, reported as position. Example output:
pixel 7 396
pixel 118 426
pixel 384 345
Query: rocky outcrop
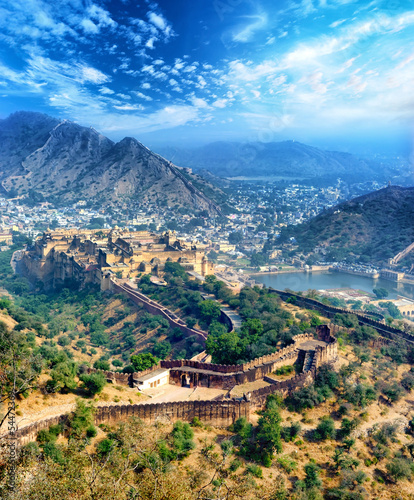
pixel 66 162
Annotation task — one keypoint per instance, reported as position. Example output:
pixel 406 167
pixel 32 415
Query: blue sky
pixel 333 73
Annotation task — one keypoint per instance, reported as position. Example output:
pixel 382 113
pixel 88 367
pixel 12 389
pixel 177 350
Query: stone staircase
pixel 307 363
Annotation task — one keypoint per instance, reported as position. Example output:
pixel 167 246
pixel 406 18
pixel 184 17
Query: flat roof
pixel 154 374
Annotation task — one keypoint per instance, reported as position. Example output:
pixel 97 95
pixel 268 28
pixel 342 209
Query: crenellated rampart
pixel 217 413
pixel 330 311
pixel 222 411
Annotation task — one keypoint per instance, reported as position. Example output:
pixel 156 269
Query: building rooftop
pixel 154 374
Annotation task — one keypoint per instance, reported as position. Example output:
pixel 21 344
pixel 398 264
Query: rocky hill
pixel 64 162
pixel 285 159
pixel 370 228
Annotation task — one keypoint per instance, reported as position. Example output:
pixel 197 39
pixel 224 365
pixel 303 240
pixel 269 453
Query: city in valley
pixel 207 250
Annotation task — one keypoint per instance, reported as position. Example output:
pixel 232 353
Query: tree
pixel 226 349
pixel 392 309
pixel 143 361
pixel 325 429
pixel 392 391
pixel 398 468
pixel 312 476
pixel 19 367
pixel 162 349
pixel 381 293
pixel 258 259
pixel 235 237
pixel 93 383
pixel 63 377
pixel 209 310
pixel 102 364
pixel 268 434
pixel 176 269
pixel 81 419
pixel 96 223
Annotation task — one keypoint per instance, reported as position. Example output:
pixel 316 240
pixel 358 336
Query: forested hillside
pixel 370 228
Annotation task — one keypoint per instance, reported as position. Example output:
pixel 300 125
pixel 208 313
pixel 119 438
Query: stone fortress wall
pixel 93 256
pixel 330 311
pixel 217 413
pixel 221 412
pixel 155 308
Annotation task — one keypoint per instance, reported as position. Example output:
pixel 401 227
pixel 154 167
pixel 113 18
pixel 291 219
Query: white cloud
pixel 93 75
pixel 130 107
pixel 89 27
pixel 165 118
pixel 106 91
pixel 199 103
pixel 347 65
pixel 409 59
pixel 220 103
pixel 357 84
pixel 143 96
pixel 146 85
pixel 309 53
pixel 314 80
pixel 150 43
pixel 335 24
pixel 102 16
pixel 251 73
pixel 190 69
pixel 157 20
pixel 245 33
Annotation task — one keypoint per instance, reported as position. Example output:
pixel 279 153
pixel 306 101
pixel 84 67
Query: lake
pixel 300 282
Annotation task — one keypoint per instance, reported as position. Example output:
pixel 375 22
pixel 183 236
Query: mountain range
pixel 289 159
pixel 64 162
pixel 370 229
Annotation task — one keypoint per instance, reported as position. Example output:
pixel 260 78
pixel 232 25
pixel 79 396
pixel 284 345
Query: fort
pixel 329 311
pixel 97 256
pixel 306 352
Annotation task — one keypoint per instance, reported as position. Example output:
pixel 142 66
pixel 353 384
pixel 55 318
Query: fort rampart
pixel 330 311
pixel 154 308
pixel 220 413
pixel 217 413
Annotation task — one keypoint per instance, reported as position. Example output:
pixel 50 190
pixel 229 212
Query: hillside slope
pixel 373 227
pixel 65 162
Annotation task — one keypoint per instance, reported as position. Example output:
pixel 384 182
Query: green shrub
pixel 398 468
pixel 54 452
pixel 91 431
pixel 93 383
pixel 254 470
pixel 235 464
pixel 101 364
pixel 325 429
pixel 287 463
pixel 196 422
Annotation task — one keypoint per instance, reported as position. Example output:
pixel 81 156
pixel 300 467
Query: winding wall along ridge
pixel 330 311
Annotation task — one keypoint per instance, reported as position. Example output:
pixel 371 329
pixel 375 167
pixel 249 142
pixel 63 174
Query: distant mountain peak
pixel 65 161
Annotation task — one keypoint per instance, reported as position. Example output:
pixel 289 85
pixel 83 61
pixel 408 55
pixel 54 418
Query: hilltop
pixel 41 157
pixel 373 227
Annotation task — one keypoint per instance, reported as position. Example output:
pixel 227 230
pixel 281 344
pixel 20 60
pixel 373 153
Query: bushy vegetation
pixel 266 327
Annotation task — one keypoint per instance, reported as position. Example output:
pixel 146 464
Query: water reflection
pixel 323 280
